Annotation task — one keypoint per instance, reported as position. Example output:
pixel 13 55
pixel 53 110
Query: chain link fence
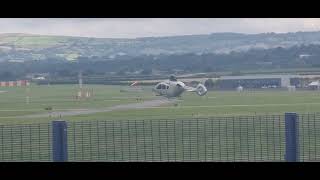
pixel 235 138
pixel 309 137
pixel 31 142
pixel 243 138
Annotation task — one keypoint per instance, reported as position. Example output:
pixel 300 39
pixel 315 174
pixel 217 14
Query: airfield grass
pixel 92 139
pixel 13 100
pixel 215 103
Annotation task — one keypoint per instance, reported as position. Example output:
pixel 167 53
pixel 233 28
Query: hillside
pixel 27 47
pixel 302 59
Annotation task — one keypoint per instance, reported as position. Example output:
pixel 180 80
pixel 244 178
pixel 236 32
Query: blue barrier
pixel 292 138
pixel 59 141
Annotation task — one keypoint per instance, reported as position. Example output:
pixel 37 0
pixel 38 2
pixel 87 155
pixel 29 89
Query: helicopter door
pixel 158 89
pixel 163 88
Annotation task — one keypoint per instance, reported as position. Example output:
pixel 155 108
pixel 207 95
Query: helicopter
pixel 173 88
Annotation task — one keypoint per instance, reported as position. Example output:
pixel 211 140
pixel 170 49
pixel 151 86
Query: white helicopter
pixel 174 88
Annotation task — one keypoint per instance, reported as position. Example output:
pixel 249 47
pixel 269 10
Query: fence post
pixel 292 138
pixel 59 141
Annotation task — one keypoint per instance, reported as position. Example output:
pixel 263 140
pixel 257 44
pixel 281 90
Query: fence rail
pixel 235 138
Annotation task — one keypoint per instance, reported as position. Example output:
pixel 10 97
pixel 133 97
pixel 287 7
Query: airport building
pixel 264 81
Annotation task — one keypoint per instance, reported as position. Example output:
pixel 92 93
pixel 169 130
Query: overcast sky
pixel 146 27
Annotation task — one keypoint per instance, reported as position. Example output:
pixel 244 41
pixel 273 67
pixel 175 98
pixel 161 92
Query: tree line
pixel 305 56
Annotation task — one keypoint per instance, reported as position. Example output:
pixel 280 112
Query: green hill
pixel 27 47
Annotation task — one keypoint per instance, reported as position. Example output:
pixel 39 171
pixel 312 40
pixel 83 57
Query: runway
pixel 141 105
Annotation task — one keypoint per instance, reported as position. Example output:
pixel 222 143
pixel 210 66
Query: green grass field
pixel 215 103
pixel 213 140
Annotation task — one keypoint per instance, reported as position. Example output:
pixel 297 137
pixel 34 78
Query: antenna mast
pixel 80 79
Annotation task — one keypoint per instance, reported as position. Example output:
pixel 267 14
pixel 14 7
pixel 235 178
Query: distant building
pixel 301 56
pixel 16 61
pixel 263 81
pixel 254 81
pixel 315 85
pixel 291 88
pixel 39 78
pixel 239 88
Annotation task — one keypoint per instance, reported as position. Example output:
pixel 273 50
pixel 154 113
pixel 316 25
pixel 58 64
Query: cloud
pixel 142 27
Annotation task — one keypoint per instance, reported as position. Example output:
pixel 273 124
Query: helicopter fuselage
pixel 169 88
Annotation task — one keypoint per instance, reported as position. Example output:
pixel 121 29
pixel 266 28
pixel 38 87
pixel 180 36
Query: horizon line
pixel 164 36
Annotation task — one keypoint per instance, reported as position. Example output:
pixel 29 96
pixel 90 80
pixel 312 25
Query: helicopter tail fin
pixel 201 90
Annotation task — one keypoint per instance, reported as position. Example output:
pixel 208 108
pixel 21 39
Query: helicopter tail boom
pixel 201 90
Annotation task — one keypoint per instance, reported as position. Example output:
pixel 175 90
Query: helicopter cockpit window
pixel 162 86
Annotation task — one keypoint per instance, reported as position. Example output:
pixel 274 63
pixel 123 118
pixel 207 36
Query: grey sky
pixel 146 27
